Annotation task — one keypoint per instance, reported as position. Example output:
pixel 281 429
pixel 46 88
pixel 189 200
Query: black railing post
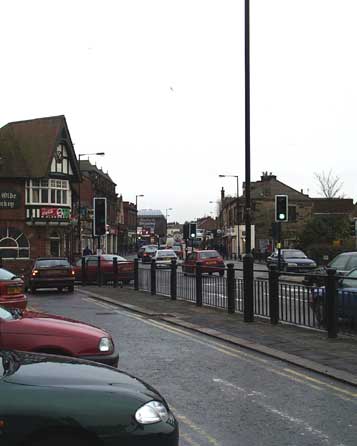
pixel 331 303
pixel 84 272
pixel 199 284
pixel 231 287
pixel 99 278
pixel 136 274
pixel 274 294
pixel 153 277
pixel 115 272
pixel 248 279
pixel 173 289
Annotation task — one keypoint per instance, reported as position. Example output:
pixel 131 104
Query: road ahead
pixel 221 395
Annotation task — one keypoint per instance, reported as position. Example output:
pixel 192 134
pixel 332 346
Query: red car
pixel 46 333
pixel 211 261
pixel 11 290
pixel 178 251
pixel 125 268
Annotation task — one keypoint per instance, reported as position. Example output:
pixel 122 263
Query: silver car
pixel 163 257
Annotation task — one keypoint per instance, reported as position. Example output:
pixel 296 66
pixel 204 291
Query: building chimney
pixel 222 195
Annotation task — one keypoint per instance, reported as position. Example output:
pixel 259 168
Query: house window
pixel 48 192
pixel 13 244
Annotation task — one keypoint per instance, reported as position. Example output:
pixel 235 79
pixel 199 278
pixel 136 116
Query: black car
pixel 342 263
pixel 292 260
pixel 55 400
pixel 148 253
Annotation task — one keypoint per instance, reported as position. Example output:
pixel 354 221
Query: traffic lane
pixel 222 395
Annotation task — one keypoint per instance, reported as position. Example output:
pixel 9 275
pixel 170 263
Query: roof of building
pixel 150 213
pixel 333 205
pixel 87 166
pixel 27 147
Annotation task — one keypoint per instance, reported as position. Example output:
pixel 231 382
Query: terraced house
pixel 38 170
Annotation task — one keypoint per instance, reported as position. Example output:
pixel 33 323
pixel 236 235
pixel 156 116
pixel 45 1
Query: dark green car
pixel 55 400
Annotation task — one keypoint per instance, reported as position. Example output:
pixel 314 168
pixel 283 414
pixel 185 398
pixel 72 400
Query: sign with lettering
pixel 9 200
pixel 55 213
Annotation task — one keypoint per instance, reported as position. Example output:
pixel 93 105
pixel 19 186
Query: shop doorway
pixel 55 245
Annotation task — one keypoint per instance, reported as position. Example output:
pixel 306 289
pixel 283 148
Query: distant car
pixel 292 260
pixel 52 272
pixel 210 259
pixel 346 301
pixel 148 253
pixel 178 251
pixel 164 257
pixel 55 400
pixel 125 268
pixel 11 290
pixel 45 333
pixel 343 263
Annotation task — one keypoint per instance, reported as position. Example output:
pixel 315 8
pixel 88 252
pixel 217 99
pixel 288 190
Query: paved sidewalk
pixel 308 348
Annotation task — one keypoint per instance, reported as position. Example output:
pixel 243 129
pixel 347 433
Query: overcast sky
pixel 158 85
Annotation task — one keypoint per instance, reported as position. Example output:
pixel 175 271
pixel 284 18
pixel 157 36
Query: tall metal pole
pixel 238 232
pixel 79 207
pixel 248 265
pixel 136 223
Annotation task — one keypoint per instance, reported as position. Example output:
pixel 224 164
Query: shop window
pixel 13 244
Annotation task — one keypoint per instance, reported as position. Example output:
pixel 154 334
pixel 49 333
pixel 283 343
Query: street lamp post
pixel 167 215
pixel 136 220
pixel 238 231
pixel 79 195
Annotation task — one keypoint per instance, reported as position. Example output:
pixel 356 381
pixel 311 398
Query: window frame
pixel 58 192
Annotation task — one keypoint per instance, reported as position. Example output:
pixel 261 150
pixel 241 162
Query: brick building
pixel 38 170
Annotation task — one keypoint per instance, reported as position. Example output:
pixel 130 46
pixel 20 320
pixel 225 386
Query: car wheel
pixel 33 290
pixel 221 273
pixel 71 288
pixel 60 289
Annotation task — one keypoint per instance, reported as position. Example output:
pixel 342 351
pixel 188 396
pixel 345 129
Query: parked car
pixel 52 272
pixel 210 259
pixel 125 268
pixel 47 333
pixel 292 260
pixel 346 300
pixel 55 400
pixel 11 290
pixel 343 263
pixel 148 253
pixel 164 257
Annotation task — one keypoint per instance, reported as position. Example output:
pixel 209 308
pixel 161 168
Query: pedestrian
pixel 87 251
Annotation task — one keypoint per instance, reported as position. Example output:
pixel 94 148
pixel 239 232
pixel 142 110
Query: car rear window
pixel 48 263
pixel 150 249
pixel 166 253
pixel 5 274
pixel 340 262
pixel 209 255
pixel 294 254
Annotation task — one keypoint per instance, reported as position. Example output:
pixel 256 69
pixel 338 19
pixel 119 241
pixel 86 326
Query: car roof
pixel 51 258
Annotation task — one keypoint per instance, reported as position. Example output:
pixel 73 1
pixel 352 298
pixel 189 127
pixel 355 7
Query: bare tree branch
pixel 329 185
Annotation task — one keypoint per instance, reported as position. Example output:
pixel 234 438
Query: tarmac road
pixel 222 395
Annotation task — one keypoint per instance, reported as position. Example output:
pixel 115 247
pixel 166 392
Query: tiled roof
pixel 87 166
pixel 27 147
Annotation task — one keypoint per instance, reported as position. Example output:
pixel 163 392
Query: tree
pixel 329 184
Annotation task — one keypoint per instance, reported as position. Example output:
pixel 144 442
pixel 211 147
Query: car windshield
pixel 209 255
pixel 49 263
pixel 340 262
pixel 151 249
pixel 294 254
pixel 111 257
pixel 6 275
pixel 351 280
pixel 5 314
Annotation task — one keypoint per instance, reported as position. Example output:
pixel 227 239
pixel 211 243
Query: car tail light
pixel 72 272
pixel 35 272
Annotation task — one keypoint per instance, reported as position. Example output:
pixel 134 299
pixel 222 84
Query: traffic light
pixel 353 228
pixel 100 216
pixel 281 208
pixel 193 230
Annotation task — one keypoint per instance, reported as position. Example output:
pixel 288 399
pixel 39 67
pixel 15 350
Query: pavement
pixel 307 348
